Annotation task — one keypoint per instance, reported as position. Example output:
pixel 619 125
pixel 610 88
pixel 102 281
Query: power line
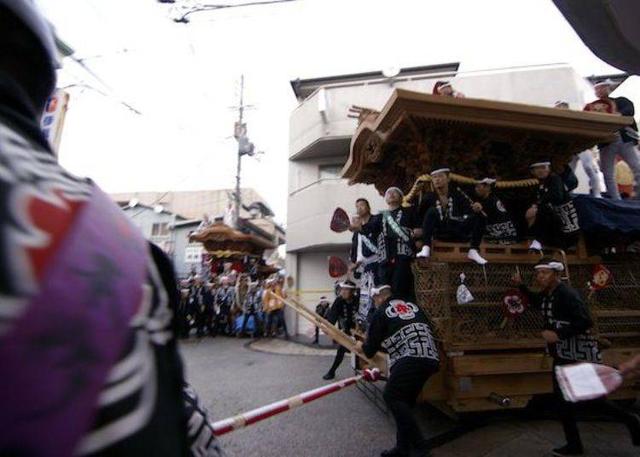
pixel 181 13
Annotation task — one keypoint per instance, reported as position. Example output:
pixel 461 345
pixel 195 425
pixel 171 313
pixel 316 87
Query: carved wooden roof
pixel 220 238
pixel 475 138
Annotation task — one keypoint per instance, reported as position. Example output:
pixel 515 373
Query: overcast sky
pixel 184 78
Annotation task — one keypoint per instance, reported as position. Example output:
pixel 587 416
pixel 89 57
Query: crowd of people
pixel 236 304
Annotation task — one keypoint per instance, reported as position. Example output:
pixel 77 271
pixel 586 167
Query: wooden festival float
pixel 226 244
pixel 493 355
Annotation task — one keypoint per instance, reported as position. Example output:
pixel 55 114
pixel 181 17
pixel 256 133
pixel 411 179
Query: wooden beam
pixel 327 327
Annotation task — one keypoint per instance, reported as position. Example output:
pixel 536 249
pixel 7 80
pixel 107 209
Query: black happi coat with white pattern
pixel 565 313
pixel 500 226
pixel 402 330
pixel 554 196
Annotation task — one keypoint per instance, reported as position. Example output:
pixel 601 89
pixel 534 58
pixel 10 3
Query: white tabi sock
pixel 424 252
pixel 535 246
pixel 474 255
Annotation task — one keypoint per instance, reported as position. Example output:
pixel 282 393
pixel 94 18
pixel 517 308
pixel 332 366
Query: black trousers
pixel 405 383
pixel 469 229
pixel 222 321
pixel 397 273
pixel 183 321
pixel 338 359
pixel 547 228
pixel 203 320
pixel 567 411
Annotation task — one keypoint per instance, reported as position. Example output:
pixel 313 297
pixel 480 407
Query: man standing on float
pixel 397 228
pixel 364 254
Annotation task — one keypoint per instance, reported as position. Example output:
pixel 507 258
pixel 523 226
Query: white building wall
pixel 181 239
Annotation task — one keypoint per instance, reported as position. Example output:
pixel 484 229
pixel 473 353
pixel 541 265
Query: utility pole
pixel 240 131
pixel 245 147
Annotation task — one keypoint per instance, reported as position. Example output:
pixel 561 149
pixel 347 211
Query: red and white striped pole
pixel 230 424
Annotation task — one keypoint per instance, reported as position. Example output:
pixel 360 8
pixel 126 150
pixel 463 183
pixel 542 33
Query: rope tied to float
pixel 459 179
pixel 254 416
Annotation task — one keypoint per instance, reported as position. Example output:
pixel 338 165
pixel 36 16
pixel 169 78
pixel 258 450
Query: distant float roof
pixel 475 137
pixel 220 238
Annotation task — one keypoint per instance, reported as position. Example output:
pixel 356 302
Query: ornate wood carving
pixel 417 131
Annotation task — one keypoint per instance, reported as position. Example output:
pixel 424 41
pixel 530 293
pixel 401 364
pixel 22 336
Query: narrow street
pixel 232 378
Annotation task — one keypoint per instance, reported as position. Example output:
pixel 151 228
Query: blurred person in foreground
pixel 87 307
pixel 631 368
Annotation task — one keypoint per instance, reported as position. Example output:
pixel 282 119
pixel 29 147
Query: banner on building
pixel 53 118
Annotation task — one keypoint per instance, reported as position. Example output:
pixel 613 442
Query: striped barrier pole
pixel 230 424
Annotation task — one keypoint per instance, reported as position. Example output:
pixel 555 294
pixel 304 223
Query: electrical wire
pixel 203 8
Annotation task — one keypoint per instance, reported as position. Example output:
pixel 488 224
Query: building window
pixel 330 171
pixel 193 254
pixel 160 229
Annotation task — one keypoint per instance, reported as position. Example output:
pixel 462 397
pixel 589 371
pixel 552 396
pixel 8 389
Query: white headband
pixel 606 82
pixel 487 181
pixel 345 285
pixel 556 266
pixel 391 189
pixel 540 164
pixel 440 170
pixel 377 290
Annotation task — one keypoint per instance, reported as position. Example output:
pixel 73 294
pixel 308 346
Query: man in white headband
pixel 402 329
pixel 397 230
pixel 566 331
pixel 552 218
pixel 450 217
pixel 343 311
pixel 499 226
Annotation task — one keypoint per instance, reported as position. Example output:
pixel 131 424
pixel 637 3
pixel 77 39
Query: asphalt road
pixel 231 379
